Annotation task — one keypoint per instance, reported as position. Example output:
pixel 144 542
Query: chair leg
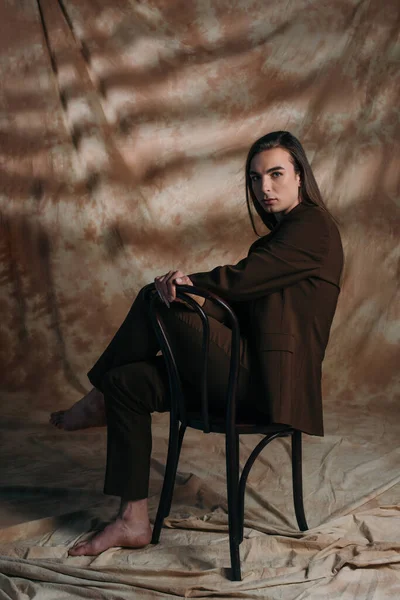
pixel 174 447
pixel 168 502
pixel 297 478
pixel 232 480
pixel 245 473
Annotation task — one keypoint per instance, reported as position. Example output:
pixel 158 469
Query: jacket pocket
pixel 277 341
pixel 277 360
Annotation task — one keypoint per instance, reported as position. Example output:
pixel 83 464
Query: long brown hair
pixel 309 190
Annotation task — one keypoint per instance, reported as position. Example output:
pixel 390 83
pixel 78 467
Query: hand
pixel 166 287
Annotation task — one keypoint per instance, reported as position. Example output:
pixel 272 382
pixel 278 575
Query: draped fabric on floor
pixel 124 130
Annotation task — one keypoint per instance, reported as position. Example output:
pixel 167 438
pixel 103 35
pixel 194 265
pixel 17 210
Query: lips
pixel 269 200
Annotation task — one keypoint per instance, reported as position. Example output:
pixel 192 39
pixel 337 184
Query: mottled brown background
pixel 124 128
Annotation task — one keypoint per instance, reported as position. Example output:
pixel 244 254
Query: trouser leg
pixel 132 392
pixel 185 333
pixel 134 341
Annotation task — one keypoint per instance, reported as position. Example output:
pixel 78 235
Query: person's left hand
pixel 166 287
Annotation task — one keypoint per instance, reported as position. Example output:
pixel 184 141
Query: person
pixel 284 293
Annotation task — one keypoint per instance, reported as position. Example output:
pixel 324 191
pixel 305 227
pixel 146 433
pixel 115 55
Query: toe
pixel 78 549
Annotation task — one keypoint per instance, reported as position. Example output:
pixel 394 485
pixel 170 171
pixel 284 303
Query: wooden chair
pixel 180 419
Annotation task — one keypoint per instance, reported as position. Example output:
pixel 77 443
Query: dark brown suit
pixel 284 292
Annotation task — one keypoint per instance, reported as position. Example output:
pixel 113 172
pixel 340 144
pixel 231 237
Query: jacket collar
pixel 298 208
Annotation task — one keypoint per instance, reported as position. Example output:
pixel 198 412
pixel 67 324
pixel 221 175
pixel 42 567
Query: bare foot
pixel 117 533
pixel 87 412
pixel 131 529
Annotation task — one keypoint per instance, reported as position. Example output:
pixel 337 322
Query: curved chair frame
pixel 180 419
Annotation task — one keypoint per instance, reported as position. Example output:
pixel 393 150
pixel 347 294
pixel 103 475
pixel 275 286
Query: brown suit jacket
pixel 285 292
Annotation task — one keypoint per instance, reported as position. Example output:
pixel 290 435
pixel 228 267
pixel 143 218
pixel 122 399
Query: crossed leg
pixel 132 382
pixel 134 340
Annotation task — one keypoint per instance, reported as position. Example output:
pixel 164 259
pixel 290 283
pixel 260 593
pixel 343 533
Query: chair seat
pixel 218 425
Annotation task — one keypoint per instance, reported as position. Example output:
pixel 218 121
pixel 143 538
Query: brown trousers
pixel 135 384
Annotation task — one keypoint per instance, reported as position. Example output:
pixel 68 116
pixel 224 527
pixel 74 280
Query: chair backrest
pixel 178 407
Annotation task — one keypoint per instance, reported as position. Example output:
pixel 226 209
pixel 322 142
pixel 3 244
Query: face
pixel 274 181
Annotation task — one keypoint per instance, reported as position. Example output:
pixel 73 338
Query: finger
pixel 170 276
pixel 164 293
pixel 184 280
pixel 171 287
pixel 162 287
pixel 178 277
pixel 161 294
pixel 161 298
pixel 165 286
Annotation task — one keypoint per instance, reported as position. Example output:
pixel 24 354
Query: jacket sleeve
pixel 294 252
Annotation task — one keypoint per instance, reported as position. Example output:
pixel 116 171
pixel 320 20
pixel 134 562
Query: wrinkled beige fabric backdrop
pixel 124 128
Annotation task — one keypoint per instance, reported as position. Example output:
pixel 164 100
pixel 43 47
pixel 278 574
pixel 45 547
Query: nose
pixel 266 185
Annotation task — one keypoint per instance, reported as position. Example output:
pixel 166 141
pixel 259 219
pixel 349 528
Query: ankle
pixel 95 400
pixel 95 394
pixel 134 511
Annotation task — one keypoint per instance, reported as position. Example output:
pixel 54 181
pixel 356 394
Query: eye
pixel 278 173
pixel 254 177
